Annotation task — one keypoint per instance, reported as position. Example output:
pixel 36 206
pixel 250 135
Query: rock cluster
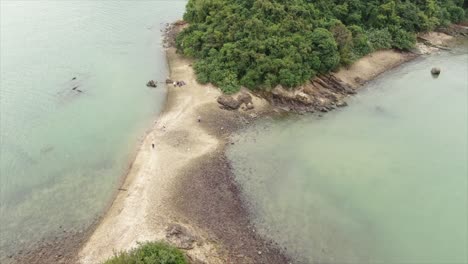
pixel 151 83
pixel 230 103
pixel 322 94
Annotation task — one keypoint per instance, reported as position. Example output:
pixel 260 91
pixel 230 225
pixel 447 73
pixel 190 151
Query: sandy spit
pixel 187 180
pixel 147 207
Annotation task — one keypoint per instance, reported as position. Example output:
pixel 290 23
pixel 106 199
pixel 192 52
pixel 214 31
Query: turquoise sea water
pixel 381 181
pixel 63 153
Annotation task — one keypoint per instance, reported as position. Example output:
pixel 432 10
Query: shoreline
pixel 193 187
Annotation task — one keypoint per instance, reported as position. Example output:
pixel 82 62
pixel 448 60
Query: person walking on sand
pixel 152 144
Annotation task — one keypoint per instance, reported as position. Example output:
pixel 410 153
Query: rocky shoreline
pixel 323 93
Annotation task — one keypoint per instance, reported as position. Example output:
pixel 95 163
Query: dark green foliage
pixel 150 253
pixel 380 38
pixel 402 39
pixel 263 43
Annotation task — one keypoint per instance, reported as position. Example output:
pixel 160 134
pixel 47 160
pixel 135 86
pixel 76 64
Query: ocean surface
pixel 64 152
pixel 381 181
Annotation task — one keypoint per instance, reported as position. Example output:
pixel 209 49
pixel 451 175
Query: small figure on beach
pixel 152 144
pixel 199 119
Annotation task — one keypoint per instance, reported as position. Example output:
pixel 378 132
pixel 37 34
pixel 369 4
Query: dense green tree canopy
pixel 262 43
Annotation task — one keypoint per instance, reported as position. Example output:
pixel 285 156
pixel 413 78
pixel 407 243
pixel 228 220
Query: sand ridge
pixel 142 212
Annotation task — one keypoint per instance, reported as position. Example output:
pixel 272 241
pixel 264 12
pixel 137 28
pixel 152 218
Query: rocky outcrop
pixel 455 30
pixel 321 94
pixel 244 98
pixel 435 71
pixel 228 102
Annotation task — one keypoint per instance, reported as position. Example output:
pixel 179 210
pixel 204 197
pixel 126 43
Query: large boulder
pixel 244 98
pixel 228 102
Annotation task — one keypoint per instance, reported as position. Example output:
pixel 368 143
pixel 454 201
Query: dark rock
pixel 228 102
pixel 341 104
pixel 435 71
pixel 74 78
pixel 244 98
pixel 303 98
pixel 151 83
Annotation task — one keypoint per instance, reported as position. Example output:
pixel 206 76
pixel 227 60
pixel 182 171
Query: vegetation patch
pixel 150 253
pixel 260 44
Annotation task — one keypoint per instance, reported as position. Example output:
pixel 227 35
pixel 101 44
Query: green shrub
pixel 149 253
pixel 456 13
pixel 403 40
pixel 361 43
pixel 380 38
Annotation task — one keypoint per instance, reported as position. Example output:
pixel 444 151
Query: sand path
pixel 142 211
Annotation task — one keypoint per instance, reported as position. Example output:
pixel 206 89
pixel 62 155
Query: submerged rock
pixel 228 102
pixel 341 104
pixel 435 71
pixel 151 83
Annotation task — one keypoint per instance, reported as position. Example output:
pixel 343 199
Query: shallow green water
pixel 381 181
pixel 63 153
